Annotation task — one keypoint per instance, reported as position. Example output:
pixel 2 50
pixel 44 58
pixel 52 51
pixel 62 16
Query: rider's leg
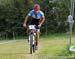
pixel 37 36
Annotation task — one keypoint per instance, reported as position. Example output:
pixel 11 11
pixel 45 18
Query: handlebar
pixel 33 26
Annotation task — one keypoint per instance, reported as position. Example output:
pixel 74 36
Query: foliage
pixel 13 12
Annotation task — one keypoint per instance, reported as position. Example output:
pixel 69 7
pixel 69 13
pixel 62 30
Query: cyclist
pixel 37 17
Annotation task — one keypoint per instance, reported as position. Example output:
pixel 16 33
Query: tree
pixel 13 12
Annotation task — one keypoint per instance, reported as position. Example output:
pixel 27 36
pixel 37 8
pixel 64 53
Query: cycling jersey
pixel 35 17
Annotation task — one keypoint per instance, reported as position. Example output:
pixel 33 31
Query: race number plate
pixel 31 26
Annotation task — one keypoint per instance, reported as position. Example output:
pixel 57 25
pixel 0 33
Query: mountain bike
pixel 32 37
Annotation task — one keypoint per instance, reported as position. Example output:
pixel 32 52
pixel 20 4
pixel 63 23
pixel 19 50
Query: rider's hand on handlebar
pixel 39 25
pixel 24 25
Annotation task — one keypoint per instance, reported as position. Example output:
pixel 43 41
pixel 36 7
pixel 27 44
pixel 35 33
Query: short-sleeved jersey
pixel 33 14
pixel 35 17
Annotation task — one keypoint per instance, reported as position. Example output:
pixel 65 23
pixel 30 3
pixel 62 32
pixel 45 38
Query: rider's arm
pixel 42 21
pixel 26 19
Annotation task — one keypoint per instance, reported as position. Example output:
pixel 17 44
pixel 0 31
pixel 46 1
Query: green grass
pixel 55 45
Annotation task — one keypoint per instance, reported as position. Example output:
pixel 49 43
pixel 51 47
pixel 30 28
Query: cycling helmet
pixel 36 7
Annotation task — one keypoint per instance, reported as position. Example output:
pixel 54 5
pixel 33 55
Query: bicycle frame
pixel 32 36
pixel 32 31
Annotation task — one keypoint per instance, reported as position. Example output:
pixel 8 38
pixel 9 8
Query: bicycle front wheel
pixel 32 44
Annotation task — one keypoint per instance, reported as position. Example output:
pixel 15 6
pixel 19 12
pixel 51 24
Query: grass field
pixel 53 46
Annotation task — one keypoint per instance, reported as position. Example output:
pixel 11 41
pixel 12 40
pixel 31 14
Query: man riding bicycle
pixel 37 19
